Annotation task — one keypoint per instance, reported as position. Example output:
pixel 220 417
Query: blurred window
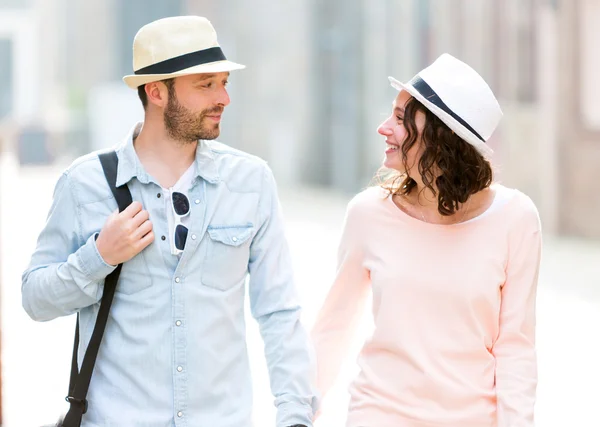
pixel 525 27
pixel 15 3
pixel 424 34
pixel 6 88
pixel 588 63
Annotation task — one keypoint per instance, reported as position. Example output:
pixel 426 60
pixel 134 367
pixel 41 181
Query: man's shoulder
pixel 239 170
pixel 86 178
pixel 225 152
pixel 82 163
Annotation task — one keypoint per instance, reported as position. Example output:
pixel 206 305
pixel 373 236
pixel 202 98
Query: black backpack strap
pixel 80 380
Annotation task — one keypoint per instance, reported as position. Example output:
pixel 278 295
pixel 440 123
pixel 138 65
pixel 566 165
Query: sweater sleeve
pixel 514 349
pixel 340 315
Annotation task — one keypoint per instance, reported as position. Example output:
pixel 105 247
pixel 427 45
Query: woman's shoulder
pixel 368 198
pixel 519 206
pixel 366 204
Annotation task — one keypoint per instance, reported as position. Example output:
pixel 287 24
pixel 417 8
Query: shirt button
pixel 179 369
pixel 178 323
pixel 193 237
pixel 159 195
pixel 197 201
pixel 234 239
pixel 177 280
pixel 163 237
pixel 180 414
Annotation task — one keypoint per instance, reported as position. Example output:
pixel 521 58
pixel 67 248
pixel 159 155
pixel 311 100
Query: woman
pixel 452 261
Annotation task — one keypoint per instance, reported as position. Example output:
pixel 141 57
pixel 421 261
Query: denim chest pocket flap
pixel 227 255
pixel 230 235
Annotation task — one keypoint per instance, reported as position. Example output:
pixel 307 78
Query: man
pixel 203 216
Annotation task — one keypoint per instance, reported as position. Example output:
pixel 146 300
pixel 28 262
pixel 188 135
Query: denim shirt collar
pixel 130 166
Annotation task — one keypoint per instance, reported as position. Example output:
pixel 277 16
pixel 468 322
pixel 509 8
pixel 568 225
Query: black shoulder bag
pixel 80 379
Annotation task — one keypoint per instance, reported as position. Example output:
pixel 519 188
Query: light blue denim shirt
pixel 174 351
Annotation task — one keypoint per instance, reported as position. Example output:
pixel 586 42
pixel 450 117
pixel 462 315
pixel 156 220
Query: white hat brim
pixel 136 80
pixel 452 123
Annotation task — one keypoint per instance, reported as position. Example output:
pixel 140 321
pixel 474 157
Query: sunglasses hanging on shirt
pixel 181 207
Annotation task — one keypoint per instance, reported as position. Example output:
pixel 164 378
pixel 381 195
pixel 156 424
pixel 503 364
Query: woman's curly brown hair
pixel 455 166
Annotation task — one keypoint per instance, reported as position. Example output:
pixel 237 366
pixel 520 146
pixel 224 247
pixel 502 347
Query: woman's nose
pixel 385 129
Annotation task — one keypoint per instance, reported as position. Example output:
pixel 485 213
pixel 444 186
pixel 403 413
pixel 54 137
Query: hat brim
pixel 452 123
pixel 136 80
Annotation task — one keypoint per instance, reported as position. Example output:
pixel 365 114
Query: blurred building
pixel 316 84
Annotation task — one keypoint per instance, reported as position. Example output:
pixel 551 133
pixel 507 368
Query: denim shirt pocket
pixel 227 254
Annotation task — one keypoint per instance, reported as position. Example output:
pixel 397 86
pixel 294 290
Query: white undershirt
pixel 183 186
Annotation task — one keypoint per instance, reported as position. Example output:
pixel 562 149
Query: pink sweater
pixel 454 314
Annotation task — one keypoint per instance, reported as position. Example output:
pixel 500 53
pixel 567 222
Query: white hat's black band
pixel 429 94
pixel 182 62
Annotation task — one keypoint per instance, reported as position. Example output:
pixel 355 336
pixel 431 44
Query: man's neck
pixel 162 157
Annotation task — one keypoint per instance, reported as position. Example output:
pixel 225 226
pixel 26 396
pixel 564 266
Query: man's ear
pixel 157 93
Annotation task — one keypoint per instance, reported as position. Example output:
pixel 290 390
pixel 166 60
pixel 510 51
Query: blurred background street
pixel 309 102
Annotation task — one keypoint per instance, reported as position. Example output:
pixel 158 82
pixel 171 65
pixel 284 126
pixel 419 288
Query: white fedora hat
pixel 176 46
pixel 460 97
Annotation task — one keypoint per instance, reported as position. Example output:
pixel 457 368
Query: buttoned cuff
pixel 91 262
pixel 289 414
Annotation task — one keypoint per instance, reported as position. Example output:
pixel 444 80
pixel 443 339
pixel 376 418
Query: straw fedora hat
pixel 460 97
pixel 176 46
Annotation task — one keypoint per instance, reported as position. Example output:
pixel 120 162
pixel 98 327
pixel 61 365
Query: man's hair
pixel 144 97
pixel 455 166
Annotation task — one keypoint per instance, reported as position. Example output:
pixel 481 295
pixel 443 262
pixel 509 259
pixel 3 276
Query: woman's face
pixel 396 134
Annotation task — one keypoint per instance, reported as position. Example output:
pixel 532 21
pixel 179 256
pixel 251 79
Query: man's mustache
pixel 217 110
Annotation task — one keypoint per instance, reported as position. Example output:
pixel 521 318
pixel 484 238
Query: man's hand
pixel 125 234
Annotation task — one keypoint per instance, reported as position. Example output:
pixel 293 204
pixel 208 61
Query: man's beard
pixel 188 127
